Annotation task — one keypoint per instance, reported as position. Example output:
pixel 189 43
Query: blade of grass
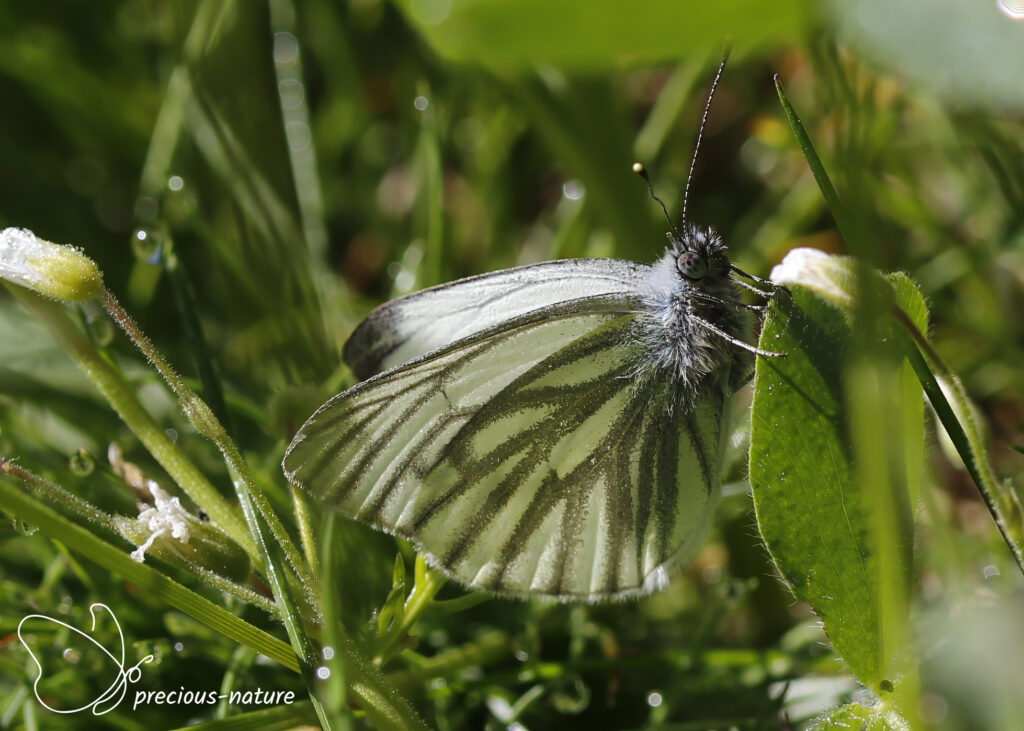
pixel 433 172
pixel 281 718
pixel 335 690
pixel 814 162
pixel 1003 504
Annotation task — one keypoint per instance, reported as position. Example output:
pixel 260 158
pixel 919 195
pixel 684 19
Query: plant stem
pixel 15 501
pixel 204 420
pixel 127 405
pixel 57 494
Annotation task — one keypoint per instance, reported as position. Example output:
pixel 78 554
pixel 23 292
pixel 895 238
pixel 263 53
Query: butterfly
pixel 550 430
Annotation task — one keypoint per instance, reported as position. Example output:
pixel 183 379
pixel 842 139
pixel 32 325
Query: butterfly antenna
pixel 640 170
pixel 700 133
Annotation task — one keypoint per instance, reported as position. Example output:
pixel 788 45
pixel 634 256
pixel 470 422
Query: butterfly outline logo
pixel 117 689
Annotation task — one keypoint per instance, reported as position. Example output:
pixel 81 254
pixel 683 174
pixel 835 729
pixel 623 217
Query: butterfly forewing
pixel 419 323
pixel 367 449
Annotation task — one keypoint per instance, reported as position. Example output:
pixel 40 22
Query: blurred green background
pixel 301 162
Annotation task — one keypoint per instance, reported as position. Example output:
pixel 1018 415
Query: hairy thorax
pixel 676 342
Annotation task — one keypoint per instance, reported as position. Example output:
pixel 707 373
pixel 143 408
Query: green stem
pixel 116 525
pixel 204 420
pixel 56 494
pixel 276 577
pixel 1002 504
pixel 333 632
pixel 428 583
pixel 127 405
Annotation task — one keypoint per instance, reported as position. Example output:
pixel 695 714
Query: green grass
pixel 312 189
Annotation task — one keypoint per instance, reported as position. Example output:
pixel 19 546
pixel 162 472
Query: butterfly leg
pixel 772 286
pixel 752 288
pixel 735 341
pixel 730 303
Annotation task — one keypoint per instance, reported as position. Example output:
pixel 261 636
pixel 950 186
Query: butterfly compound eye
pixel 691 265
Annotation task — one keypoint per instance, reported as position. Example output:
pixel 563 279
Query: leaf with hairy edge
pixel 811 475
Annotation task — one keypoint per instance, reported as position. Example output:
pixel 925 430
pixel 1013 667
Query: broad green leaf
pixel 578 35
pixel 830 492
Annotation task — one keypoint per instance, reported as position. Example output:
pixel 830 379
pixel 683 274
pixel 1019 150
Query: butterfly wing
pixel 574 482
pixel 525 459
pixel 421 322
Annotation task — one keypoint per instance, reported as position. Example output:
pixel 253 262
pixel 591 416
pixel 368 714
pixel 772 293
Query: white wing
pixel 418 323
pixel 525 460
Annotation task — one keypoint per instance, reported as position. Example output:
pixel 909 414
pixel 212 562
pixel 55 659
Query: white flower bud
pixel 60 272
pixel 831 277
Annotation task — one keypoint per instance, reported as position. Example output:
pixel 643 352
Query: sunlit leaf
pixel 578 35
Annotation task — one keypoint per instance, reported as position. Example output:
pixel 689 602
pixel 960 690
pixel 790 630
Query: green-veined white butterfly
pixel 549 430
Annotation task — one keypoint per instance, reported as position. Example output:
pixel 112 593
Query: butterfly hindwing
pixel 425 321
pixel 583 489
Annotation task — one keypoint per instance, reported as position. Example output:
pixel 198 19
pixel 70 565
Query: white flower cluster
pixel 165 517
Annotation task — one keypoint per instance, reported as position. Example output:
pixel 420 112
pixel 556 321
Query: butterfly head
pixel 699 254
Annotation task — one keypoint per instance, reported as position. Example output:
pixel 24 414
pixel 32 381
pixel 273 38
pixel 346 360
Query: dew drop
pixel 323 672
pixel 292 94
pixel 81 463
pixel 298 135
pixel 100 328
pixel 25 528
pixel 72 656
pixel 147 245
pixel 286 48
pixel 573 190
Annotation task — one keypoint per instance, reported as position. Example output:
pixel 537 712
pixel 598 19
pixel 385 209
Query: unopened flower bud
pixel 59 272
